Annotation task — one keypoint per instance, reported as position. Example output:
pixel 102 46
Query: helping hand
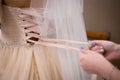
pixel 111 51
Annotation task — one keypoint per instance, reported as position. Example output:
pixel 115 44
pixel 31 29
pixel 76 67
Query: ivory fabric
pixel 21 61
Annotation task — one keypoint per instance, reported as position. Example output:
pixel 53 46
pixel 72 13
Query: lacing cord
pixel 34 37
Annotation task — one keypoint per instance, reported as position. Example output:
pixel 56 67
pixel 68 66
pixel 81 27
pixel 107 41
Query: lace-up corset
pixel 19 25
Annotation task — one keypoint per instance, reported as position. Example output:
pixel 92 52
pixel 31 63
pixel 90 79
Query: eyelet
pixel 34 38
pixel 23 20
pixel 29 43
pixel 26 34
pixel 25 27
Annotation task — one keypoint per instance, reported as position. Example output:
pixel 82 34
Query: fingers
pixel 94 45
pixel 83 52
pixel 97 46
pixel 86 52
pixel 82 56
pixel 91 44
pixel 99 49
pixel 87 60
pixel 98 43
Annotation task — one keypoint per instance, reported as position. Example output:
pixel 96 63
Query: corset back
pixel 16 24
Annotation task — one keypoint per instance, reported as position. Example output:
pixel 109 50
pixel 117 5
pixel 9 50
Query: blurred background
pixel 102 20
pixel 103 16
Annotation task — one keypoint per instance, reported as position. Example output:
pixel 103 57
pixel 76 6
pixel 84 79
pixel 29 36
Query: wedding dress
pixel 33 47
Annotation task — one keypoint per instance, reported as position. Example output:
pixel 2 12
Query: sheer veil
pixel 63 19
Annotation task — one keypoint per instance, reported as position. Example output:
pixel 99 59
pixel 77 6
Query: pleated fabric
pixel 29 63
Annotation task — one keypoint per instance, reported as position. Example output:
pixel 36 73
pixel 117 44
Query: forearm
pixel 117 52
pixel 115 74
pixel 109 72
pixel 117 49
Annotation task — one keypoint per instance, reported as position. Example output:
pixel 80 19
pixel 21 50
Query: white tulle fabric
pixel 64 20
pixel 56 19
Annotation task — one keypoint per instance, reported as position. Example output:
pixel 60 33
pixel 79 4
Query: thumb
pixel 83 52
pixel 99 42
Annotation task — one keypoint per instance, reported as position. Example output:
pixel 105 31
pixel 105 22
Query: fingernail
pixel 92 44
pixel 81 47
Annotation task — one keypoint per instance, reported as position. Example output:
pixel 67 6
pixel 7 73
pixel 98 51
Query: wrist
pixel 106 70
pixel 115 74
pixel 117 50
